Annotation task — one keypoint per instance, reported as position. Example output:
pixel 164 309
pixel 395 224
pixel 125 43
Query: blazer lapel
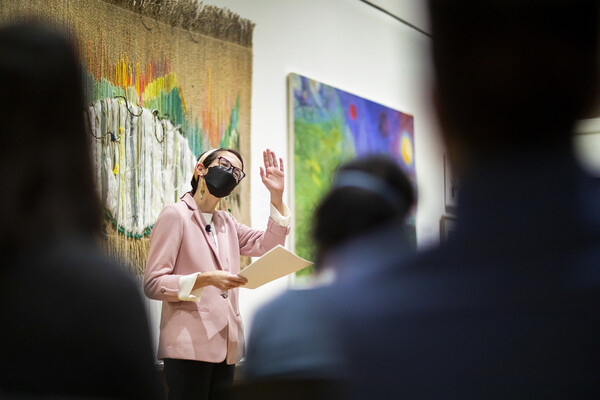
pixel 220 233
pixel 197 216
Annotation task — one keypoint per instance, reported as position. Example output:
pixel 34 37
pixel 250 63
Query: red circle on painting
pixel 352 111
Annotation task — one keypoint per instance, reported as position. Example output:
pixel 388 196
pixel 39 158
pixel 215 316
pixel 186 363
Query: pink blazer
pixel 210 330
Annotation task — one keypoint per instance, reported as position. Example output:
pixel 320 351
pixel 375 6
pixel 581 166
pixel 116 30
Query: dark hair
pixel 45 164
pixel 209 159
pixel 348 211
pixel 514 74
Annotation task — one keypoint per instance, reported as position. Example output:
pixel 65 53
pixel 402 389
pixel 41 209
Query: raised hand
pixel 273 178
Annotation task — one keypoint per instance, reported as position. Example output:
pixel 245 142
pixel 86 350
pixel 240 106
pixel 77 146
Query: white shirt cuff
pixel 283 220
pixel 186 284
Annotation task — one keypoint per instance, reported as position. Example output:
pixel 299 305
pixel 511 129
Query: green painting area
pixel 319 149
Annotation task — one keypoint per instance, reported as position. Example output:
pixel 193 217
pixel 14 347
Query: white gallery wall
pixel 352 46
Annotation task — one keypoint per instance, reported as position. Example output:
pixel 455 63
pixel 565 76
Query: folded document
pixel 274 264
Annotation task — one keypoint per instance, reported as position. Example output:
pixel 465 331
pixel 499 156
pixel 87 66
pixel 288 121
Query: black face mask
pixel 219 182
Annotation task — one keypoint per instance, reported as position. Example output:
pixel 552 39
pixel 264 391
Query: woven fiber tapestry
pixel 164 81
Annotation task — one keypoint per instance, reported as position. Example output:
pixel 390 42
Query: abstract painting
pixel 329 126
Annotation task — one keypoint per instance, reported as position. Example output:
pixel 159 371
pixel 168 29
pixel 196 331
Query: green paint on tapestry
pixel 169 104
pixel 95 90
pixel 193 141
pixel 163 95
pixel 231 136
pixel 318 150
pixel 122 230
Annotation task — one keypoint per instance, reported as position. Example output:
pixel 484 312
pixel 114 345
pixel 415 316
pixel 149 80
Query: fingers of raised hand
pixel 274 160
pixel 270 159
pixel 267 158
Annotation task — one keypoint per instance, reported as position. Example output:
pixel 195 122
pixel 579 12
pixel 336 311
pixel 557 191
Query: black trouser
pixel 197 380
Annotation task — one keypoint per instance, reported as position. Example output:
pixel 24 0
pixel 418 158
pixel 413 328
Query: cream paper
pixel 274 264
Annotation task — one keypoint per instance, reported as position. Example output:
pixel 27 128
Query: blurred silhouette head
pixel 45 166
pixel 512 75
pixel 366 193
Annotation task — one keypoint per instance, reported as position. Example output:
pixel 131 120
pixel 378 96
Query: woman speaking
pixel 192 267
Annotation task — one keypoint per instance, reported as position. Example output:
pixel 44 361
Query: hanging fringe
pixel 130 251
pixel 195 17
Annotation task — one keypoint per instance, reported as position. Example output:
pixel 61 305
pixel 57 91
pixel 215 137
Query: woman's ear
pixel 200 169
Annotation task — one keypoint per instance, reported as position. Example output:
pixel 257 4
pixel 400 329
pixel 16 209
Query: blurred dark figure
pixel 73 321
pixel 509 307
pixel 291 341
pixel 367 193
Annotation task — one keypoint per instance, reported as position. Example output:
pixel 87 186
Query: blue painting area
pixel 315 102
pixel 375 128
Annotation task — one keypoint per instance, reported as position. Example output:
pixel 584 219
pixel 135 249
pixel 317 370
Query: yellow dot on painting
pixel 406 149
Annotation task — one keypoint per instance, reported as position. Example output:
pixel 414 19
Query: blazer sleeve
pixel 255 243
pixel 159 281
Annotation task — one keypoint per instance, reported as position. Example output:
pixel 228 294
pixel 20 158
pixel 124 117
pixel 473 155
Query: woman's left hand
pixel 273 177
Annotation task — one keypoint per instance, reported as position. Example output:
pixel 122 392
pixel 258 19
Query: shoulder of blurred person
pixel 291 337
pixel 371 253
pixel 78 325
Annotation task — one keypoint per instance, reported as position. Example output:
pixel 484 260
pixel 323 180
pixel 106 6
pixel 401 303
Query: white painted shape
pixel 141 178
